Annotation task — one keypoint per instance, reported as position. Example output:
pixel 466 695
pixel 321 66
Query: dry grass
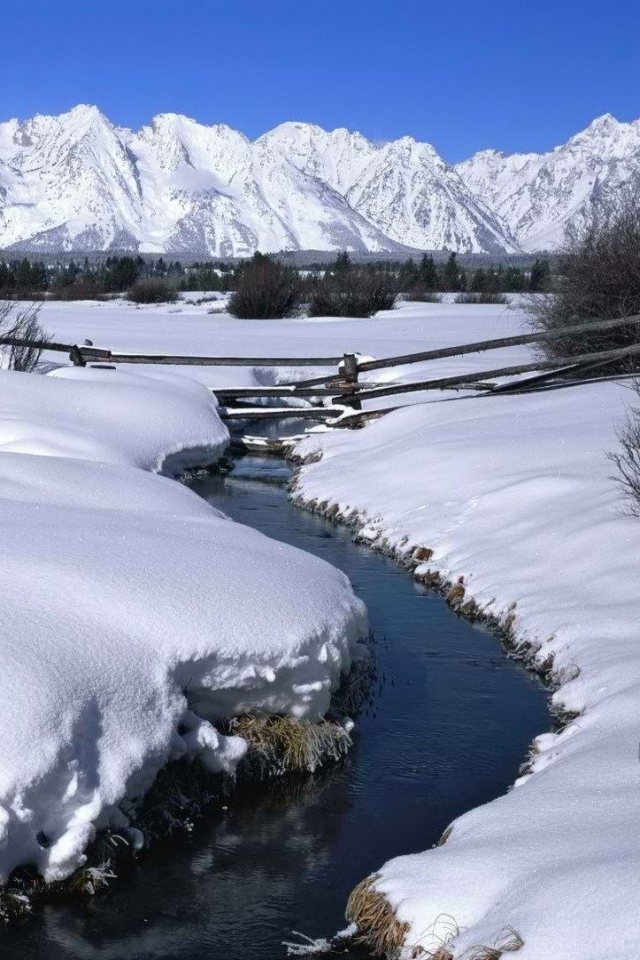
pixel 507 941
pixel 379 928
pixel 13 906
pixel 431 578
pixel 455 596
pixel 445 836
pixel 279 745
pixel 422 554
pixel 381 933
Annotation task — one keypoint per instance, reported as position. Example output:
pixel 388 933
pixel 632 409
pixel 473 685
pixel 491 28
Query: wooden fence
pixel 347 392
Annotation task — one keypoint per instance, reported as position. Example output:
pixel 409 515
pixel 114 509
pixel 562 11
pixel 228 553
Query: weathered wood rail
pixel 347 392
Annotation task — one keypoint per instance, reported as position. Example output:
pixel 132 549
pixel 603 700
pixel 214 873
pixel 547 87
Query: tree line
pixel 449 276
pixel 79 280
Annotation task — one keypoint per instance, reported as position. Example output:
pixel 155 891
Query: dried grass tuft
pixel 507 941
pixel 378 927
pixel 422 554
pixel 455 595
pixel 445 836
pixel 13 906
pixel 431 578
pixel 279 745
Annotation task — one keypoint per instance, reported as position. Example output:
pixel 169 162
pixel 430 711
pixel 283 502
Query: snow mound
pixel 134 615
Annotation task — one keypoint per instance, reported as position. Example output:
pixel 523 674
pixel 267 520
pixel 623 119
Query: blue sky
pixel 518 75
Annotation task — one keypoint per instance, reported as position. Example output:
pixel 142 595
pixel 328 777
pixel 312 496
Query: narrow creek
pixel 448 728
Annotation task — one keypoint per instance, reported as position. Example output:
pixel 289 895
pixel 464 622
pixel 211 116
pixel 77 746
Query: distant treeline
pixel 85 280
pixel 71 280
pixel 449 276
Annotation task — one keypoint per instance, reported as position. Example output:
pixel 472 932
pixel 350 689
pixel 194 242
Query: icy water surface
pixel 450 727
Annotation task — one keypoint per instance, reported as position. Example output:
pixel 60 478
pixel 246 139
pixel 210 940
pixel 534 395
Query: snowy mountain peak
pixel 539 196
pixel 77 182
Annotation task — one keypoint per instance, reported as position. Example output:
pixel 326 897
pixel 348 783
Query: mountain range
pixel 78 182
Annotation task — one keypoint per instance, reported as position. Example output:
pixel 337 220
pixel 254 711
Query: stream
pixel 450 723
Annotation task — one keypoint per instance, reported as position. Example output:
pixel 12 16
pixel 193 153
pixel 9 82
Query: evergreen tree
pixel 479 281
pixel 343 263
pixel 514 280
pixel 23 276
pixel 408 276
pixel 540 277
pixel 451 278
pixel 428 275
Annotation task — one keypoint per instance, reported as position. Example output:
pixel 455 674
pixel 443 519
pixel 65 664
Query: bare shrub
pixel 356 292
pixel 152 290
pixel 85 289
pixel 627 459
pixel 22 323
pixel 599 280
pixel 418 295
pixel 267 290
pixel 487 296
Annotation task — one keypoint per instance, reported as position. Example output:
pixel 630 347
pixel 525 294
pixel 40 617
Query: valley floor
pixel 512 494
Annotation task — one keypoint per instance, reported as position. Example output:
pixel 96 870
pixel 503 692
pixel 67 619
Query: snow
pixel 188 329
pixel 512 493
pixel 77 182
pixel 537 196
pixel 132 610
pixel 515 494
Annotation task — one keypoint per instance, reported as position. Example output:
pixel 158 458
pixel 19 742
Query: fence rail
pixel 345 389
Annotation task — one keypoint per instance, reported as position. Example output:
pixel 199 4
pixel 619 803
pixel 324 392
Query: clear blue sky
pixel 518 75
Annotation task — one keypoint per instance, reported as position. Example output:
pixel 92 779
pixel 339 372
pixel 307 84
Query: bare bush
pixel 599 280
pixel 267 290
pixel 484 297
pixel 84 289
pixel 152 290
pixel 356 292
pixel 22 323
pixel 627 459
pixel 419 295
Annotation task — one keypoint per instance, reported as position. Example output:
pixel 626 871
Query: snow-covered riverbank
pixel 135 616
pixel 514 494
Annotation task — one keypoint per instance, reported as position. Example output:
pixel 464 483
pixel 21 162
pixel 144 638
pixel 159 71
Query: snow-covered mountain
pixel 77 182
pixel 537 196
pixel 404 187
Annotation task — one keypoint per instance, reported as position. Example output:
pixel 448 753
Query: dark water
pixel 448 731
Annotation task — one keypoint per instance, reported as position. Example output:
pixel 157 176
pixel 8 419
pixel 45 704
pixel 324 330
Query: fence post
pixel 350 369
pixel 75 355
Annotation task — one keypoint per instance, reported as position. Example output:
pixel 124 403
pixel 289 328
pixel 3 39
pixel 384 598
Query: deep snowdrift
pixel 515 494
pixel 129 606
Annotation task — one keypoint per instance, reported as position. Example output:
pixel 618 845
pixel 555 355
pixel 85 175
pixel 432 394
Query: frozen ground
pixel 134 615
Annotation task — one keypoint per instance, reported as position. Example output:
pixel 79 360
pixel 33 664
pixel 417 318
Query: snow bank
pixel 515 494
pixel 134 615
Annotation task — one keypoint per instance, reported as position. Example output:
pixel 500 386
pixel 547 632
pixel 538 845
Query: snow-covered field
pixel 134 615
pixel 188 328
pixel 514 494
